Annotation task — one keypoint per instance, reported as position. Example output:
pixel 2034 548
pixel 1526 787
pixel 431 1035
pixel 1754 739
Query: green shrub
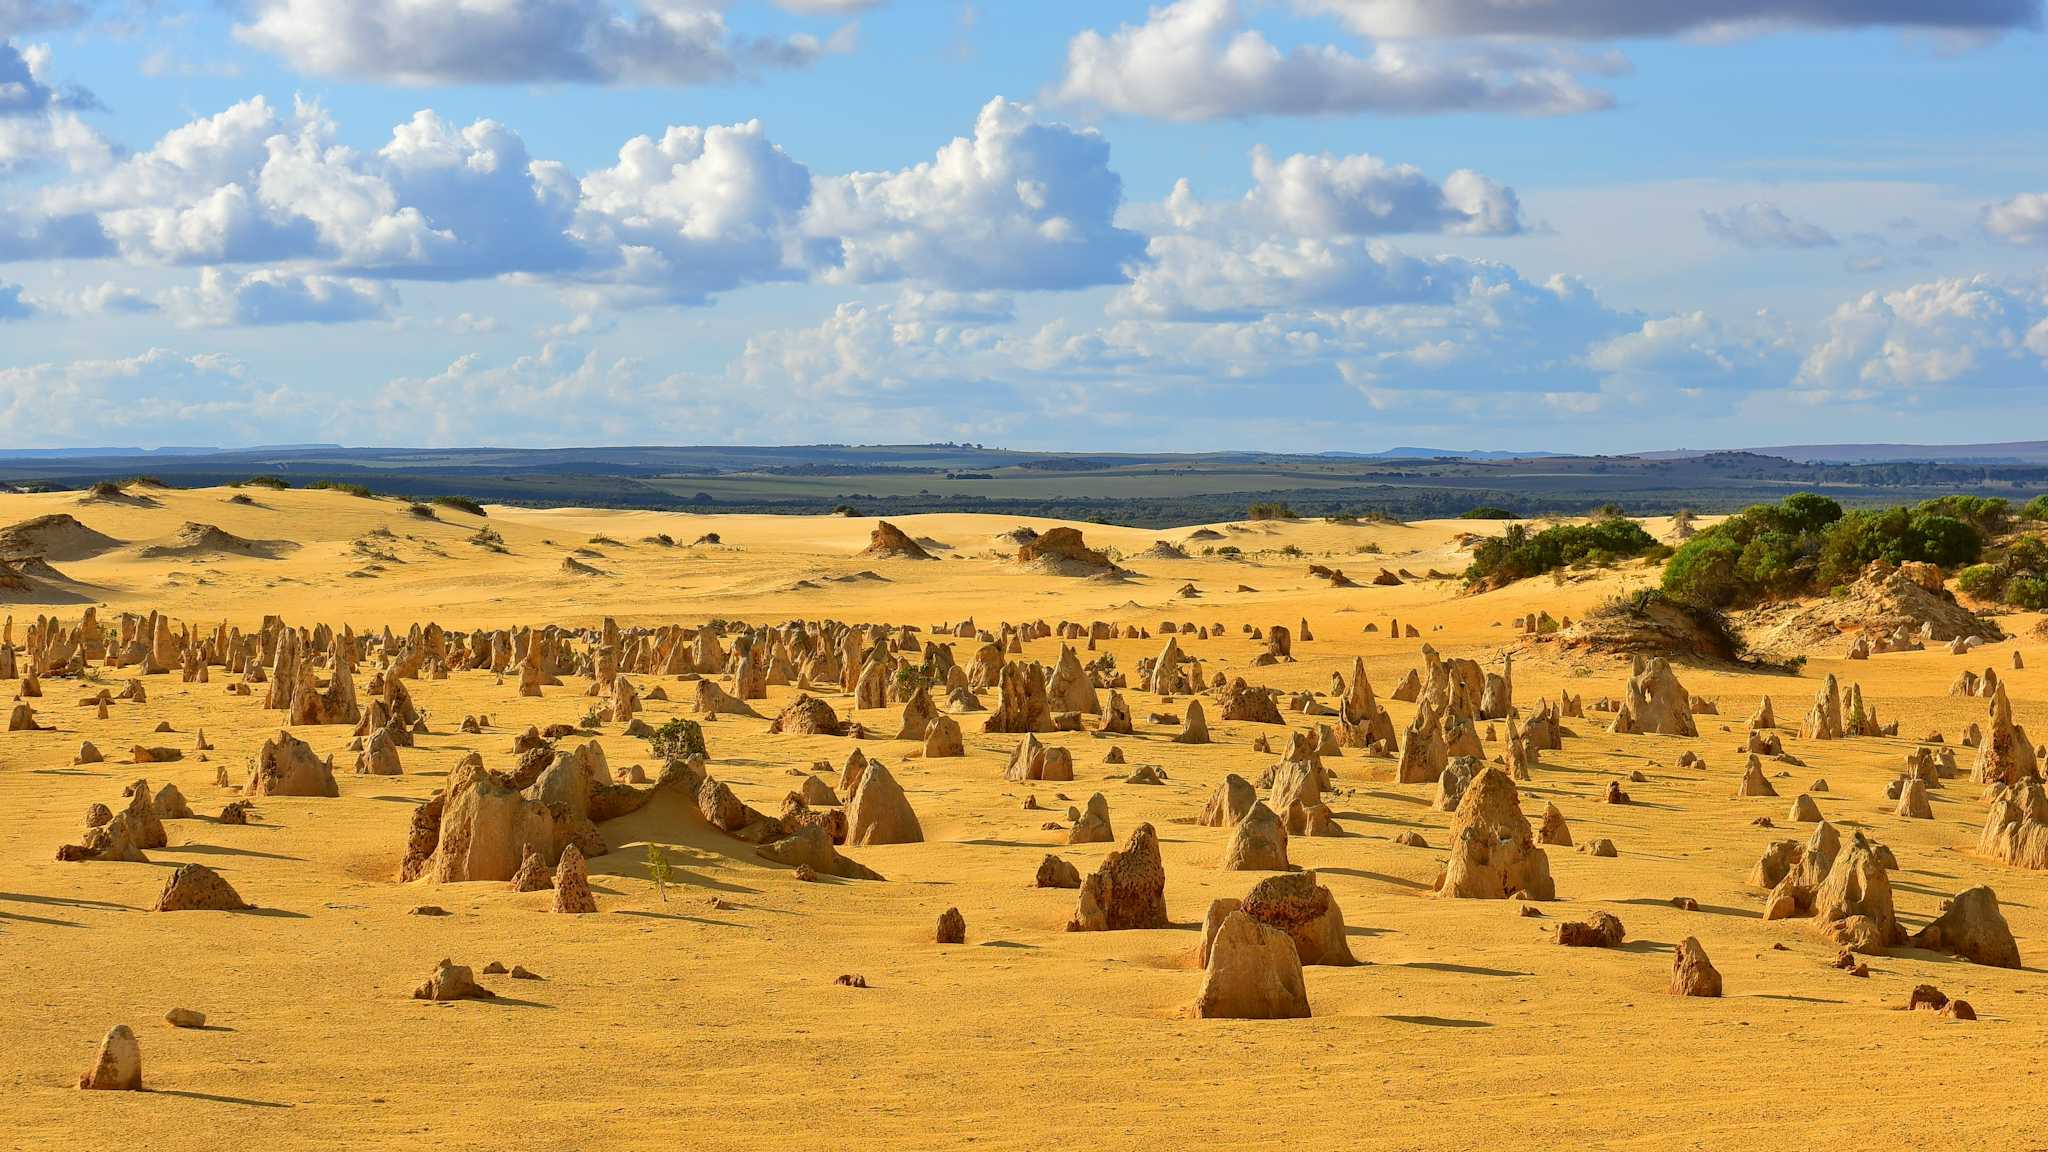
pixel 1271 510
pixel 1488 512
pixel 276 483
pixel 461 504
pixel 1519 554
pixel 343 486
pixel 1806 545
pixel 1984 581
pixel 2027 591
pixel 2018 576
pixel 678 740
pixel 423 511
pixel 1989 515
pixel 2036 509
pixel 1896 535
pixel 658 870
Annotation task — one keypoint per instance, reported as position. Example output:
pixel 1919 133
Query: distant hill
pixel 2007 452
pixel 1438 454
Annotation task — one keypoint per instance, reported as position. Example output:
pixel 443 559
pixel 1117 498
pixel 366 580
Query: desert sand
pixel 713 1019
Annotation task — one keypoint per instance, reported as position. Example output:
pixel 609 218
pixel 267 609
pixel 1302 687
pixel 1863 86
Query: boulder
pixel 197 888
pixel 879 813
pixel 1054 872
pixel 1128 890
pixel 1692 974
pixel 286 766
pixel 1258 843
pixel 117 1066
pixel 572 884
pixel 1972 927
pixel 1253 973
pixel 1306 911
pixel 452 981
pixel 811 847
pixel 1093 826
pixel 1493 850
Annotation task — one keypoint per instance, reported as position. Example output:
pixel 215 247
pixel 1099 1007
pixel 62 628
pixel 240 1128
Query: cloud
pixel 267 298
pixel 700 211
pixel 247 186
pixel 39 123
pixel 1632 19
pixel 2020 220
pixel 18 16
pixel 1365 195
pixel 678 219
pixel 435 42
pixel 1196 60
pixel 1022 205
pixel 156 397
pixel 1763 225
pixel 104 299
pixel 1962 332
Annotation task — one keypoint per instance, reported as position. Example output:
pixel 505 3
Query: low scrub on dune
pixel 2017 575
pixel 1807 545
pixel 1518 554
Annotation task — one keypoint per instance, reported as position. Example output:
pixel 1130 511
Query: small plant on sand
pixel 911 677
pixel 677 740
pixel 658 870
pixel 461 504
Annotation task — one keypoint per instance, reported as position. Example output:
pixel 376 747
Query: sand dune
pixel 714 1017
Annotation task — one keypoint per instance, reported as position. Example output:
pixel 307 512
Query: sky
pixel 1281 225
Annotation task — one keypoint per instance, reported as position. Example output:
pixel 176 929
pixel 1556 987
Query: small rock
pixel 952 927
pixel 118 1065
pixel 185 1018
pixel 851 981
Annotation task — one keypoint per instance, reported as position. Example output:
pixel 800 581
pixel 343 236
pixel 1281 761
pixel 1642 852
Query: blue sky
pixel 1291 224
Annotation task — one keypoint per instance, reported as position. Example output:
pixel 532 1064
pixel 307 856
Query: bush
pixel 678 740
pixel 2029 592
pixel 461 504
pixel 1518 554
pixel 104 489
pixel 2036 509
pixel 2019 576
pixel 1895 535
pixel 343 486
pixel 1806 545
pixel 1989 515
pixel 1488 512
pixel 911 677
pixel 275 483
pixel 1271 510
pixel 421 510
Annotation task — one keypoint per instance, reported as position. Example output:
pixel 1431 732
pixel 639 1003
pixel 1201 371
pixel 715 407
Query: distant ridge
pixel 1439 454
pixel 2008 452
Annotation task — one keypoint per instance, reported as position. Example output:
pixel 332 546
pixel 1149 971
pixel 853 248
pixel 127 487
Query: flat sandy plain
pixel 682 1024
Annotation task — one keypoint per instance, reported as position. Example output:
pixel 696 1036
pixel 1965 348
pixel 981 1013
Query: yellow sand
pixel 685 1025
